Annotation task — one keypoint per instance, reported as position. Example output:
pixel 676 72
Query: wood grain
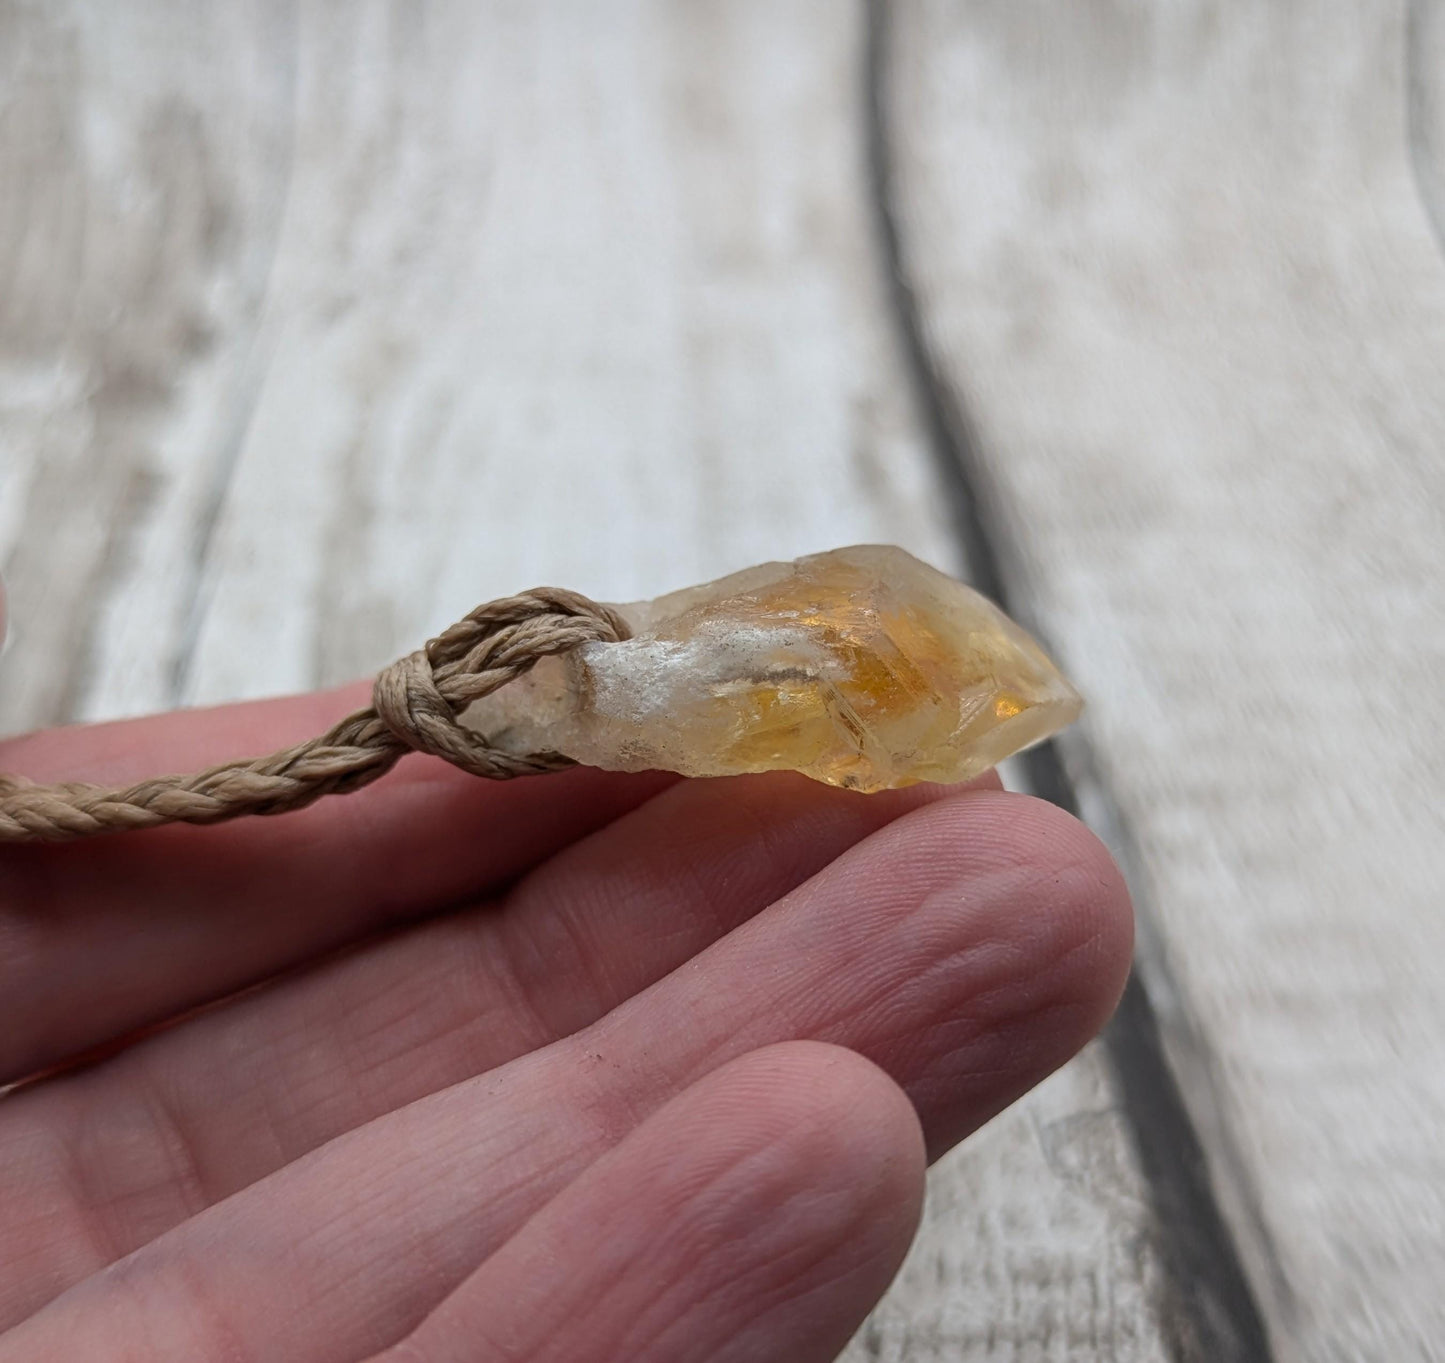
pixel 323 322
pixel 1179 269
pixel 547 285
pixel 1037 1243
pixel 141 196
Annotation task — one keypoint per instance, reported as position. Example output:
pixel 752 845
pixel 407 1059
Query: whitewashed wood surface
pixel 321 322
pixel 1180 267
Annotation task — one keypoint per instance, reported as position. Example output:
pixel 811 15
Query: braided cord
pixel 414 707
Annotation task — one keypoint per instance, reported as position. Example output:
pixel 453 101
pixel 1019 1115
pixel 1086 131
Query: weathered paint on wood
pixel 488 296
pixel 1181 267
pixel 320 323
pixel 1037 1243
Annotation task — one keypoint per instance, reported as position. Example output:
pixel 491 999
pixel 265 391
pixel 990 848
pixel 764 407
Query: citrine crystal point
pixel 861 667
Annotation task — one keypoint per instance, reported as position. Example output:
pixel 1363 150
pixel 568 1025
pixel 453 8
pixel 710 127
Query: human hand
pixel 569 1068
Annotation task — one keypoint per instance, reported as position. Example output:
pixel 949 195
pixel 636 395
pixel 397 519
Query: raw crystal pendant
pixel 860 667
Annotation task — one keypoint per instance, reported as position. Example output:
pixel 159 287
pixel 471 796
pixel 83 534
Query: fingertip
pixel 1054 888
pixel 832 1115
pixel 758 1214
pixel 1022 930
pixel 1077 905
pixel 809 1125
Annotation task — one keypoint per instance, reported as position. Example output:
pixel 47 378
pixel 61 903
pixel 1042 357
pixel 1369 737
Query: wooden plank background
pixel 321 322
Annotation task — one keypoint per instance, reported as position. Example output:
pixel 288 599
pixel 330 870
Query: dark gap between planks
pixel 1211 1312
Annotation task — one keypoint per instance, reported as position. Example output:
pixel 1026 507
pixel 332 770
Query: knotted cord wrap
pixel 414 707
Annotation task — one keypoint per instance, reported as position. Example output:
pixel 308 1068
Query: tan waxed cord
pixel 414 707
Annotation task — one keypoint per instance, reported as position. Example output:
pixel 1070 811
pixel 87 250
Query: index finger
pixel 100 937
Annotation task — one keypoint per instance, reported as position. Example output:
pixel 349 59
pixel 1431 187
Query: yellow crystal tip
pixel 861 667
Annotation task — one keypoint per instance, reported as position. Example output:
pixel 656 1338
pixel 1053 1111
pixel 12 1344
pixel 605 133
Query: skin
pixel 583 1067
